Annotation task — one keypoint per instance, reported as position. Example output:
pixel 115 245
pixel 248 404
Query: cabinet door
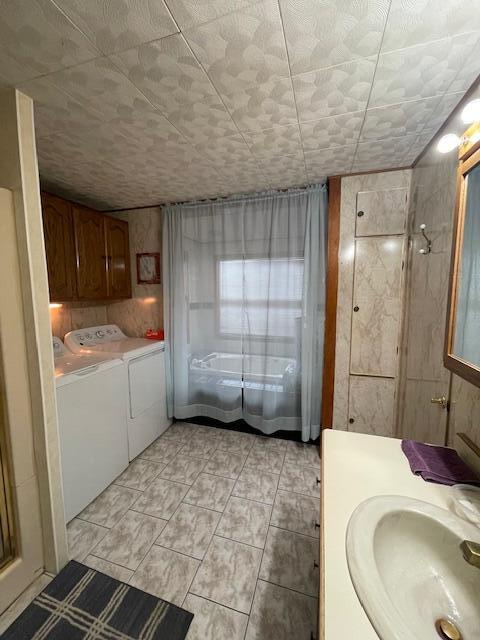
pixel 377 306
pixel 91 253
pixel 371 406
pixel 118 258
pixel 59 247
pixel 381 212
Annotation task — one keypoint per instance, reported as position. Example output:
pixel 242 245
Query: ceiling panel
pixel 145 101
pixel 335 131
pixel 421 71
pixel 329 92
pixel 189 13
pixel 36 38
pixel 323 33
pixel 243 49
pixel 412 22
pixel 121 24
pixel 166 72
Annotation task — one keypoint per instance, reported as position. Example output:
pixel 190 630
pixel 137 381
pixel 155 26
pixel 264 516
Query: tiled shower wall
pixel 424 377
pixel 144 309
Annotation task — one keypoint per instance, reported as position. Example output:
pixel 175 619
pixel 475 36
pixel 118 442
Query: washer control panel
pixel 93 336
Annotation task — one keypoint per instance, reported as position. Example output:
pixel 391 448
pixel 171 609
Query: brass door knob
pixel 442 401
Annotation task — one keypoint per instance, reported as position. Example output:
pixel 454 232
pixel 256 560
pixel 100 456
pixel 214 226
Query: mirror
pixel 462 345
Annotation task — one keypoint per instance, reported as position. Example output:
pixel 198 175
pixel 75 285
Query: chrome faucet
pixel 471 552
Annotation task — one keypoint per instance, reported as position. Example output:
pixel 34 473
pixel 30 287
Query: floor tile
pixel 183 469
pixel 23 600
pixel 110 505
pixel 161 498
pixel 129 540
pixel 281 614
pixel 211 492
pixel 254 484
pixel 211 621
pixel 228 574
pixel 304 454
pixel 110 569
pixel 266 459
pixel 245 521
pixel 82 538
pixel 297 513
pixel 264 442
pixel 236 442
pixel 180 431
pixel 289 560
pixel 165 574
pixel 300 479
pixel 139 474
pixel 223 463
pixel 190 530
pixel 199 447
pixel 161 450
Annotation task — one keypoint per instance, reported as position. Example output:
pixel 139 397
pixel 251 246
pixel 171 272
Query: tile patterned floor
pixel 220 522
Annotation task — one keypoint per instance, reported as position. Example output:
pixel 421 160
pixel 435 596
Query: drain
pixel 447 630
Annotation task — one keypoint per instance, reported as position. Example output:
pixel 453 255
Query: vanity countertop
pixel 356 467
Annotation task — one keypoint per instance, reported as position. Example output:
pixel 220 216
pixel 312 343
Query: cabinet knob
pixel 355 308
pixel 351 420
pixel 360 213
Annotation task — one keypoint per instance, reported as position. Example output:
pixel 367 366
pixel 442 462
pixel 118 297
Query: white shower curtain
pixel 244 292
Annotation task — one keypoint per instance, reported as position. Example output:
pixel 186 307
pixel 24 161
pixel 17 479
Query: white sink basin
pixel 408 570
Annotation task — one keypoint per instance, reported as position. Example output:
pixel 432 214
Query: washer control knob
pixel 100 334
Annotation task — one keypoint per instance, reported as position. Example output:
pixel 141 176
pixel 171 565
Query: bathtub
pixel 275 370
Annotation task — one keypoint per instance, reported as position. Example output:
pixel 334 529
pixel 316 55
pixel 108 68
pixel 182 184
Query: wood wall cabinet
pixel 60 248
pixel 88 255
pixel 118 266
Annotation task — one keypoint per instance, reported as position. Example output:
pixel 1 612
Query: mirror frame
pixel 468 158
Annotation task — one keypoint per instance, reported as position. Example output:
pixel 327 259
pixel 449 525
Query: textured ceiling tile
pixel 328 162
pixel 335 131
pixel 152 130
pixel 166 72
pixel 288 179
pixel 333 91
pixel 444 108
pixel 56 110
pixel 398 120
pixel 243 172
pixel 100 87
pixel 322 33
pixel 419 72
pixel 468 73
pixel 36 39
pixel 120 24
pixel 203 120
pixel 419 144
pixel 291 169
pixel 381 152
pixel 227 149
pixel 263 106
pixel 413 22
pixel 242 49
pixel 189 13
pixel 280 141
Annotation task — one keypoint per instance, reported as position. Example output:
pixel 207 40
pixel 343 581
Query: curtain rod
pixel 252 194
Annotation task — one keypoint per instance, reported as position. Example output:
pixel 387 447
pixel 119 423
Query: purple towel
pixel 438 464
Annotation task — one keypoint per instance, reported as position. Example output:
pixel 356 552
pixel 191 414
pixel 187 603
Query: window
pixel 260 297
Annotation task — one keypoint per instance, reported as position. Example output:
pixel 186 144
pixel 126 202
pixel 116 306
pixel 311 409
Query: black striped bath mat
pixel 83 604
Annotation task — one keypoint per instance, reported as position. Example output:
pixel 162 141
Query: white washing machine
pixel 145 365
pixel 92 418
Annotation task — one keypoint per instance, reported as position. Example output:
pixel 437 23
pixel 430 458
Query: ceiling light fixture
pixel 448 142
pixel 471 112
